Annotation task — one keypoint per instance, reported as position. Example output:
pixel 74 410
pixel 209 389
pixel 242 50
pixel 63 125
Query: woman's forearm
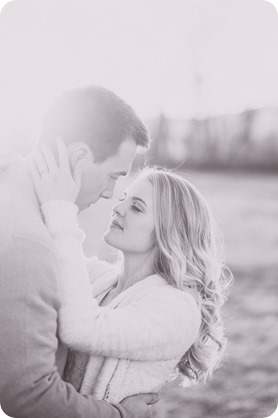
pixel 142 330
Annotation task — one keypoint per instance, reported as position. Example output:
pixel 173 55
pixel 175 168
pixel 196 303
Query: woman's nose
pixel 119 209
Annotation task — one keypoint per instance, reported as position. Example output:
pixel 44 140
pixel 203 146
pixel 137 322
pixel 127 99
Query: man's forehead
pixel 127 150
pixel 121 162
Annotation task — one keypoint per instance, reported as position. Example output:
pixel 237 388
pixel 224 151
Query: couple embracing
pixel 81 337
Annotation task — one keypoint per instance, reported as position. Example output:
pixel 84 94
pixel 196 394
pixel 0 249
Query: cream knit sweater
pixel 137 340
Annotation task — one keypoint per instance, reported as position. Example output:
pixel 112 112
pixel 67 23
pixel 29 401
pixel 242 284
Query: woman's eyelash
pixel 134 207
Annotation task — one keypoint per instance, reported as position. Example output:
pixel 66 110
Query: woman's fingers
pixel 63 155
pixel 77 174
pixel 35 174
pixel 49 158
pixel 40 162
pixel 53 182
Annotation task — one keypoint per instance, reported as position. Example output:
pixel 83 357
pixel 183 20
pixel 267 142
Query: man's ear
pixel 79 152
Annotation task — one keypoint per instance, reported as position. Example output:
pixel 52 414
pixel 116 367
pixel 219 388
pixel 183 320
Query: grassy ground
pixel 246 209
pixel 247 384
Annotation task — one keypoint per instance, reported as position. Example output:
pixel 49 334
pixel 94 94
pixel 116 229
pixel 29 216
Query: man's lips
pixel 115 224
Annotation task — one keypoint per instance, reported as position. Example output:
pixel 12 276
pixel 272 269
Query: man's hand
pixel 140 405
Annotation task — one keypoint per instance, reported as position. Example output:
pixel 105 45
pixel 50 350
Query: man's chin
pixel 83 205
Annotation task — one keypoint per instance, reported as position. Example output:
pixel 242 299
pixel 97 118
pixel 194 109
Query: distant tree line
pixel 248 140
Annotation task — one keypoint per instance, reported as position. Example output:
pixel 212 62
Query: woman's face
pixel 132 224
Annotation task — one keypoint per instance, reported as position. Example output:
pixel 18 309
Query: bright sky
pixel 184 57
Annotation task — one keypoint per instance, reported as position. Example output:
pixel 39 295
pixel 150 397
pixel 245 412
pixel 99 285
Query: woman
pixel 155 315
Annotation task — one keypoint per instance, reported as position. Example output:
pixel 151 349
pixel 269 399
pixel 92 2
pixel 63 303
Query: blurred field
pixel 246 208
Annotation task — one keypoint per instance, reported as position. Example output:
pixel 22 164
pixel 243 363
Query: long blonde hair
pixel 188 255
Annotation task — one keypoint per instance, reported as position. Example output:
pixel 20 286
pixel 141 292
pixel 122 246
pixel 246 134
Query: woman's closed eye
pixel 135 208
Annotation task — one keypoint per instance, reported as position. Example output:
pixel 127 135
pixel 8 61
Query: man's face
pixel 99 179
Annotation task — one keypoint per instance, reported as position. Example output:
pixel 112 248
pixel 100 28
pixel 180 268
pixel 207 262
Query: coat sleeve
pixel 160 326
pixel 30 386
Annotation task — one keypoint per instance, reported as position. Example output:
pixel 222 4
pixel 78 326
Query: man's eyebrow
pixel 140 200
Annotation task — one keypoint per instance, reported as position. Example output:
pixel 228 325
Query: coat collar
pixel 138 289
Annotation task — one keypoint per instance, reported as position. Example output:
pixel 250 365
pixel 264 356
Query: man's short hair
pixel 96 116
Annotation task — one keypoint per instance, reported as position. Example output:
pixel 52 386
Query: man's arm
pixel 30 386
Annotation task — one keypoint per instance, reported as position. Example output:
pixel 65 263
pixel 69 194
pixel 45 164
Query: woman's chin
pixel 108 238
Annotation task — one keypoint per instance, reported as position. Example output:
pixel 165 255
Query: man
pixel 102 134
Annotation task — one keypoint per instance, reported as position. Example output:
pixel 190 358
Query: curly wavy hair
pixel 189 256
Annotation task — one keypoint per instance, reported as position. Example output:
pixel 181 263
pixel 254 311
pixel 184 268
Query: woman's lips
pixel 115 224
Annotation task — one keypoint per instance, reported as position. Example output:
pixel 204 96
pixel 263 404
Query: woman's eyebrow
pixel 140 200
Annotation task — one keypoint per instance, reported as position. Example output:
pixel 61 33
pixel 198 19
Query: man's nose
pixel 107 194
pixel 109 191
